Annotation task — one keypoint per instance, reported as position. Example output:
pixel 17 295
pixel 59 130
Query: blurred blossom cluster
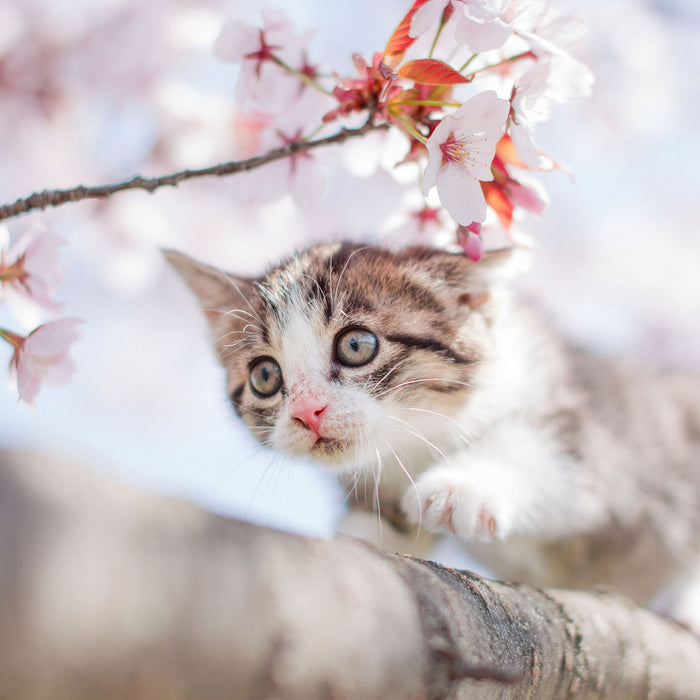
pixel 465 82
pixel 89 93
pixel 30 270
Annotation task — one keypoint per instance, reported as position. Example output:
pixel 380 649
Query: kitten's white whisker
pixel 345 267
pixel 264 478
pixel 409 382
pixel 330 285
pixel 352 490
pixel 409 429
pixel 377 482
pixel 396 366
pixel 244 316
pixel 461 430
pixel 253 413
pixel 236 344
pixel 253 312
pixel 235 313
pixel 361 460
pixel 238 313
pixel 316 282
pixel 413 485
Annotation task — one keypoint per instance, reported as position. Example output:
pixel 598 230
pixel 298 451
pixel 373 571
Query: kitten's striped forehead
pixel 347 279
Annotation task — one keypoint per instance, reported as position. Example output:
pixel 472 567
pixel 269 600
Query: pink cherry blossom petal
pixel 42 258
pixel 53 338
pixel 472 245
pixel 43 357
pixel 31 269
pixel 526 197
pixel 28 381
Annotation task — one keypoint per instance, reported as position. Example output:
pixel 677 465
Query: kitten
pixel 418 369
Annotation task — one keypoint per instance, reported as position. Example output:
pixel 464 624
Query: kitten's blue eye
pixel 265 377
pixel 355 347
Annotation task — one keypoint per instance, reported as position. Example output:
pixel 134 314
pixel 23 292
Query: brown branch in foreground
pixel 109 593
pixel 54 198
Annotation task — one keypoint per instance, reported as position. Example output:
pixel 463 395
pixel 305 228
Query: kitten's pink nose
pixel 309 414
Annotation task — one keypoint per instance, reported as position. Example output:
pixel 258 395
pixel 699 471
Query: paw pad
pixel 486 523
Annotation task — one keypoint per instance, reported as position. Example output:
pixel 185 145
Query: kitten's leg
pixel 514 481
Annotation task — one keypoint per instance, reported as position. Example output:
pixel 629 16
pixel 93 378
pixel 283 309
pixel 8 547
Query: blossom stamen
pixel 454 151
pixel 264 53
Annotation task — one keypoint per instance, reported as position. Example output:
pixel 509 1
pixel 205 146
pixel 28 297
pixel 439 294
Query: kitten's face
pixel 348 354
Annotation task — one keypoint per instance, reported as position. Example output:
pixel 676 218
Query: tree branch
pixel 54 198
pixel 112 593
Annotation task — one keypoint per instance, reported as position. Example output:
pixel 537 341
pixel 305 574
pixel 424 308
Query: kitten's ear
pixel 477 280
pixel 219 293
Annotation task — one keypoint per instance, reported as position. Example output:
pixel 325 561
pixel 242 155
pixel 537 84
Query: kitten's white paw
pixel 447 501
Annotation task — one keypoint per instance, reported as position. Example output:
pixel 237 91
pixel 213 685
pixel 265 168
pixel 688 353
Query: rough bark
pixel 108 592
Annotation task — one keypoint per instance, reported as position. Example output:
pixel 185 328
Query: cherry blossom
pixel 530 106
pixel 558 77
pixel 42 356
pixel 427 216
pixel 484 25
pixel 476 25
pixel 269 57
pixel 300 176
pixel 460 150
pixel 30 267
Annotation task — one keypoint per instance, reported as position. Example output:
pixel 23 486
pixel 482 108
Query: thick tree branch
pixel 54 198
pixel 109 593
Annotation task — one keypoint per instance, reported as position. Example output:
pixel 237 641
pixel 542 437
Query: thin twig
pixel 54 198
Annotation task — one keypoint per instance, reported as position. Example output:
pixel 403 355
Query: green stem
pixel 10 273
pixel 467 62
pixel 12 338
pixel 434 103
pixel 512 59
pixel 314 133
pixel 412 130
pixel 435 40
pixel 302 76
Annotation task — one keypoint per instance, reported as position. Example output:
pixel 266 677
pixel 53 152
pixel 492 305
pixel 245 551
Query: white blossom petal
pixel 236 40
pixel 427 17
pixel 524 146
pixel 461 195
pixel 480 35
